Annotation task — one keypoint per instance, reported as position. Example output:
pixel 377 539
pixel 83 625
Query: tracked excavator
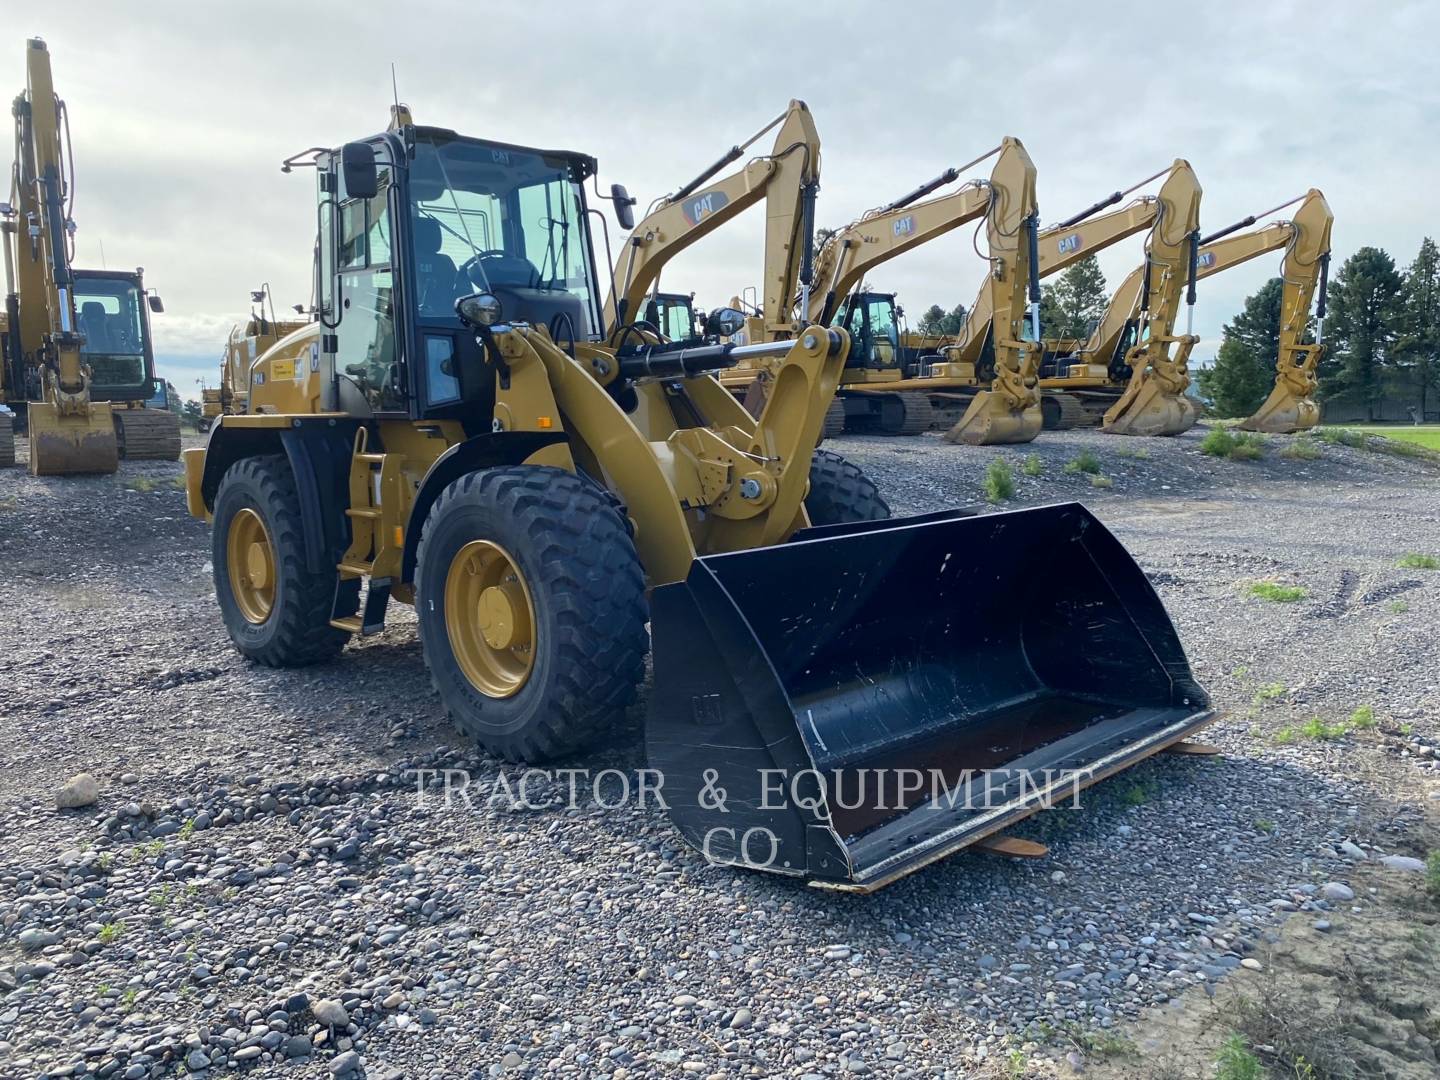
pixel 1291 405
pixel 1075 392
pixel 1133 363
pixel 78 364
pixel 875 394
pixel 456 430
pixel 786 179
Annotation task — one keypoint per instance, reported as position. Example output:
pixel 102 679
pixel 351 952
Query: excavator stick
pixel 80 441
pixel 868 698
pixel 991 420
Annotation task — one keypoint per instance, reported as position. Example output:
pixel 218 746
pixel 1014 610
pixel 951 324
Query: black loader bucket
pixel 869 698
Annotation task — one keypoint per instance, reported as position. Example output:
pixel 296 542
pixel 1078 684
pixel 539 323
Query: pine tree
pixel 1417 323
pixel 1244 368
pixel 931 320
pixel 1360 331
pixel 1068 307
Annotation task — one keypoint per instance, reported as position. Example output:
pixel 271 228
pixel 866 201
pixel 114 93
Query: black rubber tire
pixel 841 493
pixel 579 564
pixel 298 631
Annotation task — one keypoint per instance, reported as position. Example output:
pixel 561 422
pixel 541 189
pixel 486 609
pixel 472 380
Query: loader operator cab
pixel 412 220
pixel 873 322
pixel 112 311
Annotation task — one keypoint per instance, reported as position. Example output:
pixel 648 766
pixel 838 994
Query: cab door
pixel 358 298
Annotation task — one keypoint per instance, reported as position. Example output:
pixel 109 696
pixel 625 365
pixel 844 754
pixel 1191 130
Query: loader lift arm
pixel 1291 405
pixel 787 179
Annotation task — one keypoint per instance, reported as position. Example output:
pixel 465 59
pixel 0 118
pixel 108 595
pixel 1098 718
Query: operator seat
pixel 95 325
pixel 435 272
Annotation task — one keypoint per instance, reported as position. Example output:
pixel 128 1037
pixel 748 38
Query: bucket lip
pixel 824 533
pixel 885 871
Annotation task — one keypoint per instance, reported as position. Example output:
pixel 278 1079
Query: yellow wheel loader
pixel 1291 406
pixel 454 432
pixel 78 364
pixel 244 347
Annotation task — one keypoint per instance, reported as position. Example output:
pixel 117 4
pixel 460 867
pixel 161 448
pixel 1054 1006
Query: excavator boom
pixel 787 180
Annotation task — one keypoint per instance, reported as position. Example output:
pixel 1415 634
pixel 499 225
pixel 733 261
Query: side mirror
pixel 725 322
pixel 156 304
pixel 624 206
pixel 899 312
pixel 357 165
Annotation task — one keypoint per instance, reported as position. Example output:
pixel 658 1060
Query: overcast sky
pixel 182 112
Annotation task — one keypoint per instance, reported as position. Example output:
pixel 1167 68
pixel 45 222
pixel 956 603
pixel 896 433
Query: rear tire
pixel 278 611
pixel 841 493
pixel 572 650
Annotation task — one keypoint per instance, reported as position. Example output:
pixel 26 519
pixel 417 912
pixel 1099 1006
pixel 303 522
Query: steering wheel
pixel 474 260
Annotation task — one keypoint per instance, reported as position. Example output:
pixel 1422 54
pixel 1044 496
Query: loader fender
pixel 484 451
pixel 318 451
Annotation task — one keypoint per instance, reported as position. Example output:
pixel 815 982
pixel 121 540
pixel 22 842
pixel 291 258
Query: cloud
pixel 182 114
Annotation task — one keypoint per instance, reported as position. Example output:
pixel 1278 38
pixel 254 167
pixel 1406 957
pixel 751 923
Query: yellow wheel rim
pixel 490 618
pixel 250 559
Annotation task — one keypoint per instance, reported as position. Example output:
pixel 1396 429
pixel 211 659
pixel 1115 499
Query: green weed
pixel 1363 718
pixel 1236 1061
pixel 111 932
pixel 1033 466
pixel 1083 462
pixel 1269 692
pixel 1317 729
pixel 999 481
pixel 1301 450
pixel 1101 482
pixel 1413 560
pixel 1276 592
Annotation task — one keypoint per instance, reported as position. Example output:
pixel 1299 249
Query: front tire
pixel 531 604
pixel 840 493
pixel 276 610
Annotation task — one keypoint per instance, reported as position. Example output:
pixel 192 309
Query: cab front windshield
pixel 109 314
pixel 509 222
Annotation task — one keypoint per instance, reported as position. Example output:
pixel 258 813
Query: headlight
pixel 479 309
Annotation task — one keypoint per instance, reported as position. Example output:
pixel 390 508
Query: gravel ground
pixel 261 887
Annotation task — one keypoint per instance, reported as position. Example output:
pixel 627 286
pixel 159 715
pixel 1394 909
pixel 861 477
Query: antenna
pixel 103 265
pixel 394 86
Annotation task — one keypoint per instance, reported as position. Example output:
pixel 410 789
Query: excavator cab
pixel 673 315
pixel 873 323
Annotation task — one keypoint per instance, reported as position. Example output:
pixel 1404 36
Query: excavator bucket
pixel 80 442
pixel 1153 410
pixel 1284 412
pixel 866 699
pixel 990 420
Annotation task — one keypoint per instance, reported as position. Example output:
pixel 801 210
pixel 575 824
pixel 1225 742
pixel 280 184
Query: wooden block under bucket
pixel 1012 846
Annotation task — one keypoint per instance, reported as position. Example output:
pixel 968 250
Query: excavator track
pixel 7 440
pixel 834 420
pixel 1062 411
pixel 147 434
pixel 916 417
